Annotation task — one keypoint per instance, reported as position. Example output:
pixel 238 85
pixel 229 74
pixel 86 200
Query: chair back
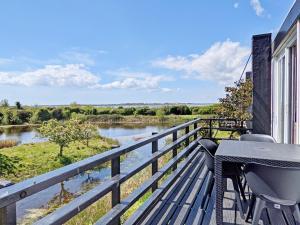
pixel 210 149
pixel 257 138
pixel 274 183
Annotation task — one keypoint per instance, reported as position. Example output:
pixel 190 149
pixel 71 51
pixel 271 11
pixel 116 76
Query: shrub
pixel 1 117
pixel 7 165
pixel 57 114
pixel 23 116
pixel 146 111
pixel 8 117
pixel 41 115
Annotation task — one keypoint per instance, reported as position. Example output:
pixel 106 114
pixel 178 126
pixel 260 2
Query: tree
pixel 59 133
pixel 237 102
pixel 4 103
pixel 18 105
pixel 87 131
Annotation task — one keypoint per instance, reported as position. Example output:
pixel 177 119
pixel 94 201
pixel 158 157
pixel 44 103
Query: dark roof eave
pixel 288 23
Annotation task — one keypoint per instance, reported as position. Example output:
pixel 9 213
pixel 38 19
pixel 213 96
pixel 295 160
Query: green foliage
pixel 177 110
pixel 63 133
pixel 1 117
pixel 161 114
pixel 41 115
pixel 205 110
pixel 237 101
pixel 59 133
pixel 85 132
pixel 7 165
pixel 145 111
pixel 23 116
pixel 8 117
pixel 18 105
pixel 38 115
pixel 57 114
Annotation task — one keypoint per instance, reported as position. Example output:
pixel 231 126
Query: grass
pixel 38 158
pixel 8 143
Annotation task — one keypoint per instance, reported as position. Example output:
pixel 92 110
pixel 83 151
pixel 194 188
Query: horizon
pixel 57 52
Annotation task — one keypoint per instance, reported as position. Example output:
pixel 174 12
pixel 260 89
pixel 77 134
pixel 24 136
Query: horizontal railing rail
pixel 188 139
pixel 231 125
pixel 12 194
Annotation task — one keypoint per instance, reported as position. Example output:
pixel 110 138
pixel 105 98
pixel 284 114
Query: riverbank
pixel 137 119
pixel 38 158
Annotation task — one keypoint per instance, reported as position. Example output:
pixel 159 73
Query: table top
pixel 259 150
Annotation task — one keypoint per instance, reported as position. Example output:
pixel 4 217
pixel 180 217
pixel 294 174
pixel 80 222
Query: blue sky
pixel 96 51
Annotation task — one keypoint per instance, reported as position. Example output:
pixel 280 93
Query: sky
pixel 109 51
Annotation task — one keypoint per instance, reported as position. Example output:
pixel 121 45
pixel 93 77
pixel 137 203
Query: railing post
pixel 174 138
pixel 116 191
pixel 8 214
pixel 155 163
pixel 187 141
pixel 195 127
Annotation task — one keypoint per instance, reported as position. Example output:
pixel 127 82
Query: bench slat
pixel 151 202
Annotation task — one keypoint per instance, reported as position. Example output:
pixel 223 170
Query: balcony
pixel 182 191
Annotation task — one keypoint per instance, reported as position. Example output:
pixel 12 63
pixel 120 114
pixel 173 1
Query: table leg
pixel 219 191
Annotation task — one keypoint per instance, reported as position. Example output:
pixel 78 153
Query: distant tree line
pixel 18 114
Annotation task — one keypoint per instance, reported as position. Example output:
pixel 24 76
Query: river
pixel 126 134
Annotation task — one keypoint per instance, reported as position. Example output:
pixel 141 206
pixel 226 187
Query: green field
pixel 39 158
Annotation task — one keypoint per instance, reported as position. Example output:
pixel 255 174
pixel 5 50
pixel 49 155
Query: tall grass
pixel 8 143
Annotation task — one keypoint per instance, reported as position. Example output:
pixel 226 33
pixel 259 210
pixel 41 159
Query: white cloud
pixel 257 6
pixel 73 75
pixel 236 5
pixel 137 80
pixel 222 62
pixel 78 75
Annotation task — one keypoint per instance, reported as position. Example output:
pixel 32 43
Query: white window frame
pixel 283 51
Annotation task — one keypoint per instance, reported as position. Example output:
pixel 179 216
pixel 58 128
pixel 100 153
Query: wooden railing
pixel 180 159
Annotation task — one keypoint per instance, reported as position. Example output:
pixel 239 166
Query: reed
pixel 8 143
